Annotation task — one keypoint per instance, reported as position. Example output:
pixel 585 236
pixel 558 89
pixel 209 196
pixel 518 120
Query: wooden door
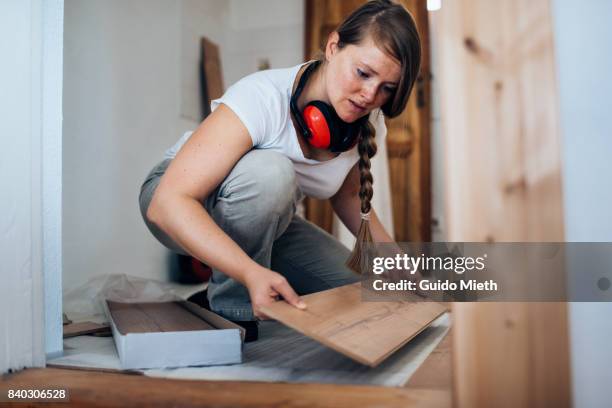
pixel 503 183
pixel 408 138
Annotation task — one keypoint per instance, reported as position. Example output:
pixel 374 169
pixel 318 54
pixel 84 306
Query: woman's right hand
pixel 265 287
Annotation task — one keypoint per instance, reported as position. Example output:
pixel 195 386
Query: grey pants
pixel 255 205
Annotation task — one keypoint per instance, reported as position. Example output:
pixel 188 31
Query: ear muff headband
pixel 298 91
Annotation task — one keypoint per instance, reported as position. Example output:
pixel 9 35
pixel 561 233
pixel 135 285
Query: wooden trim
pixel 411 173
pixel 89 388
pixel 423 106
pixel 399 149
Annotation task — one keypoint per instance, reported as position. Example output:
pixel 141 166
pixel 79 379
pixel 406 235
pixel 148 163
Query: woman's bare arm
pixel 196 171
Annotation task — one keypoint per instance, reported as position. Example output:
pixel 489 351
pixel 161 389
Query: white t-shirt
pixel 261 101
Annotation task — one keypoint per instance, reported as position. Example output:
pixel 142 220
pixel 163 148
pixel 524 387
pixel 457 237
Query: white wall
pixel 271 29
pixel 582 37
pixel 120 111
pixel 198 18
pixel 51 101
pixel 247 32
pixel 130 78
pixel 30 161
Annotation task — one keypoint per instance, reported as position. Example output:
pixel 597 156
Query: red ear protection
pixel 317 124
pixel 320 124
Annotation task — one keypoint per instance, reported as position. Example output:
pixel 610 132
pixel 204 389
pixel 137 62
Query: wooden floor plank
pixel 367 332
pixel 81 328
pixel 154 317
pixel 95 389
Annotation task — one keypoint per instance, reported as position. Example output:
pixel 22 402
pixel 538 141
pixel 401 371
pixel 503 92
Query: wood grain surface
pixel 90 388
pixel 367 332
pixel 154 317
pixel 503 177
pixel 81 328
pixel 430 386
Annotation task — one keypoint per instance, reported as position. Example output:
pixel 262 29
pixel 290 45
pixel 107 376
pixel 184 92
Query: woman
pixel 226 194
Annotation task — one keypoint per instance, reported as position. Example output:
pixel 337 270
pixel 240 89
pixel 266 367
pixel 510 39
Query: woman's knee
pixel 147 191
pixel 262 182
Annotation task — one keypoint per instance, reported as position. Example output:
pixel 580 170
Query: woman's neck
pixel 314 90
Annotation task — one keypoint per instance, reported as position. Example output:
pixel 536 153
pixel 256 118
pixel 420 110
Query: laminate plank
pixel 367 332
pixel 154 317
pixel 81 328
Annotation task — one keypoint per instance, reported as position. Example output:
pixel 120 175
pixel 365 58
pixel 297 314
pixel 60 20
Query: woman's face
pixel 359 78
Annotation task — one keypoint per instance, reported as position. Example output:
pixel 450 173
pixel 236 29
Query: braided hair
pixel 367 149
pixel 393 29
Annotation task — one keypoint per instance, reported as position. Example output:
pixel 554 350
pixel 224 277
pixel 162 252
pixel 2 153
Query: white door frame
pixel 31 182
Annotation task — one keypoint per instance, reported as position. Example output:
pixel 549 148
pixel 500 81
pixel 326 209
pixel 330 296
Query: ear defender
pixel 320 124
pixel 319 118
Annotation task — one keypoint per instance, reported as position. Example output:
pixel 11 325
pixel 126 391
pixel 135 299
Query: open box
pixel 179 348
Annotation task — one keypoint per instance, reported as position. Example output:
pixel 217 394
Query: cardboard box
pixel 221 344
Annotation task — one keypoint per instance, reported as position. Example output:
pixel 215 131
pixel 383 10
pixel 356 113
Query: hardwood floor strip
pixel 78 329
pixel 367 332
pixel 154 317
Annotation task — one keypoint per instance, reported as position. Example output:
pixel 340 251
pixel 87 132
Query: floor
pixel 430 386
